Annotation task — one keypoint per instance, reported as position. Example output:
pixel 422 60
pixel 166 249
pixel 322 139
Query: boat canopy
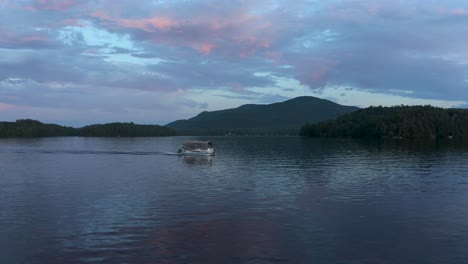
pixel 198 145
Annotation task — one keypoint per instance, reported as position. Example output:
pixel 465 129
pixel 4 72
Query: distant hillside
pixel 278 118
pixel 34 128
pixel 398 121
pixel 125 130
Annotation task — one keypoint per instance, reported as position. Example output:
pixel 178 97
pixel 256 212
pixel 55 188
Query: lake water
pixel 260 200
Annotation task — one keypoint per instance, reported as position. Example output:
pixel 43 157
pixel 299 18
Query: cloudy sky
pixel 77 62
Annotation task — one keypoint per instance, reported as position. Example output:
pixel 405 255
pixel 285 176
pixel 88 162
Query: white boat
pixel 204 148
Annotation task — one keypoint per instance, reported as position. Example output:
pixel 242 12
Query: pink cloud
pixel 276 57
pixel 73 23
pixel 362 11
pixel 8 107
pixel 253 41
pixel 57 5
pixel 459 12
pixel 21 40
pixel 4 40
pixel 146 24
pixel 251 44
pixel 237 18
pixel 315 71
pixel 33 39
pixel 236 33
pixel 150 24
pixel 205 48
pixel 234 86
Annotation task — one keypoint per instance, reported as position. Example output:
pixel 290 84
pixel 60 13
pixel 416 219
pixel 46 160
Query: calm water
pixel 260 200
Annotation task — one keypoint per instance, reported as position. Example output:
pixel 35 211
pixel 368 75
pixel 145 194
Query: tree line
pixel 34 128
pixel 397 121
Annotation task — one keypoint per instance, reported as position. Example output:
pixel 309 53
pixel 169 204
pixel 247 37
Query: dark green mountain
pixel 278 118
pixel 397 121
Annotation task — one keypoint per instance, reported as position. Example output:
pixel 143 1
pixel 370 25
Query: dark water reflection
pixel 260 200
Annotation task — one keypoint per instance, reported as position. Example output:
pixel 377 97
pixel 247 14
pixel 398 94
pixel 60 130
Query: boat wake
pixel 91 152
pixel 101 152
pixel 171 153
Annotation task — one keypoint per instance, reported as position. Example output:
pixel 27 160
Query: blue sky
pixel 81 62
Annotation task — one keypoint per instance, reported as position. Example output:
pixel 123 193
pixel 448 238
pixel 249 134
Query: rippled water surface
pixel 260 200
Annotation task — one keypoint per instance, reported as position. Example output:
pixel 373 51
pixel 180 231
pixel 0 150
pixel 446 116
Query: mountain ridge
pixel 277 118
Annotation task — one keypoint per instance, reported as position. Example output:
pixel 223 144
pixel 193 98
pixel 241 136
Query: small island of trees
pixel 394 122
pixel 34 128
pixel 125 130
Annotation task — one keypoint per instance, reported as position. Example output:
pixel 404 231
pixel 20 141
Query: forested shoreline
pixel 394 122
pixel 372 122
pixel 33 128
